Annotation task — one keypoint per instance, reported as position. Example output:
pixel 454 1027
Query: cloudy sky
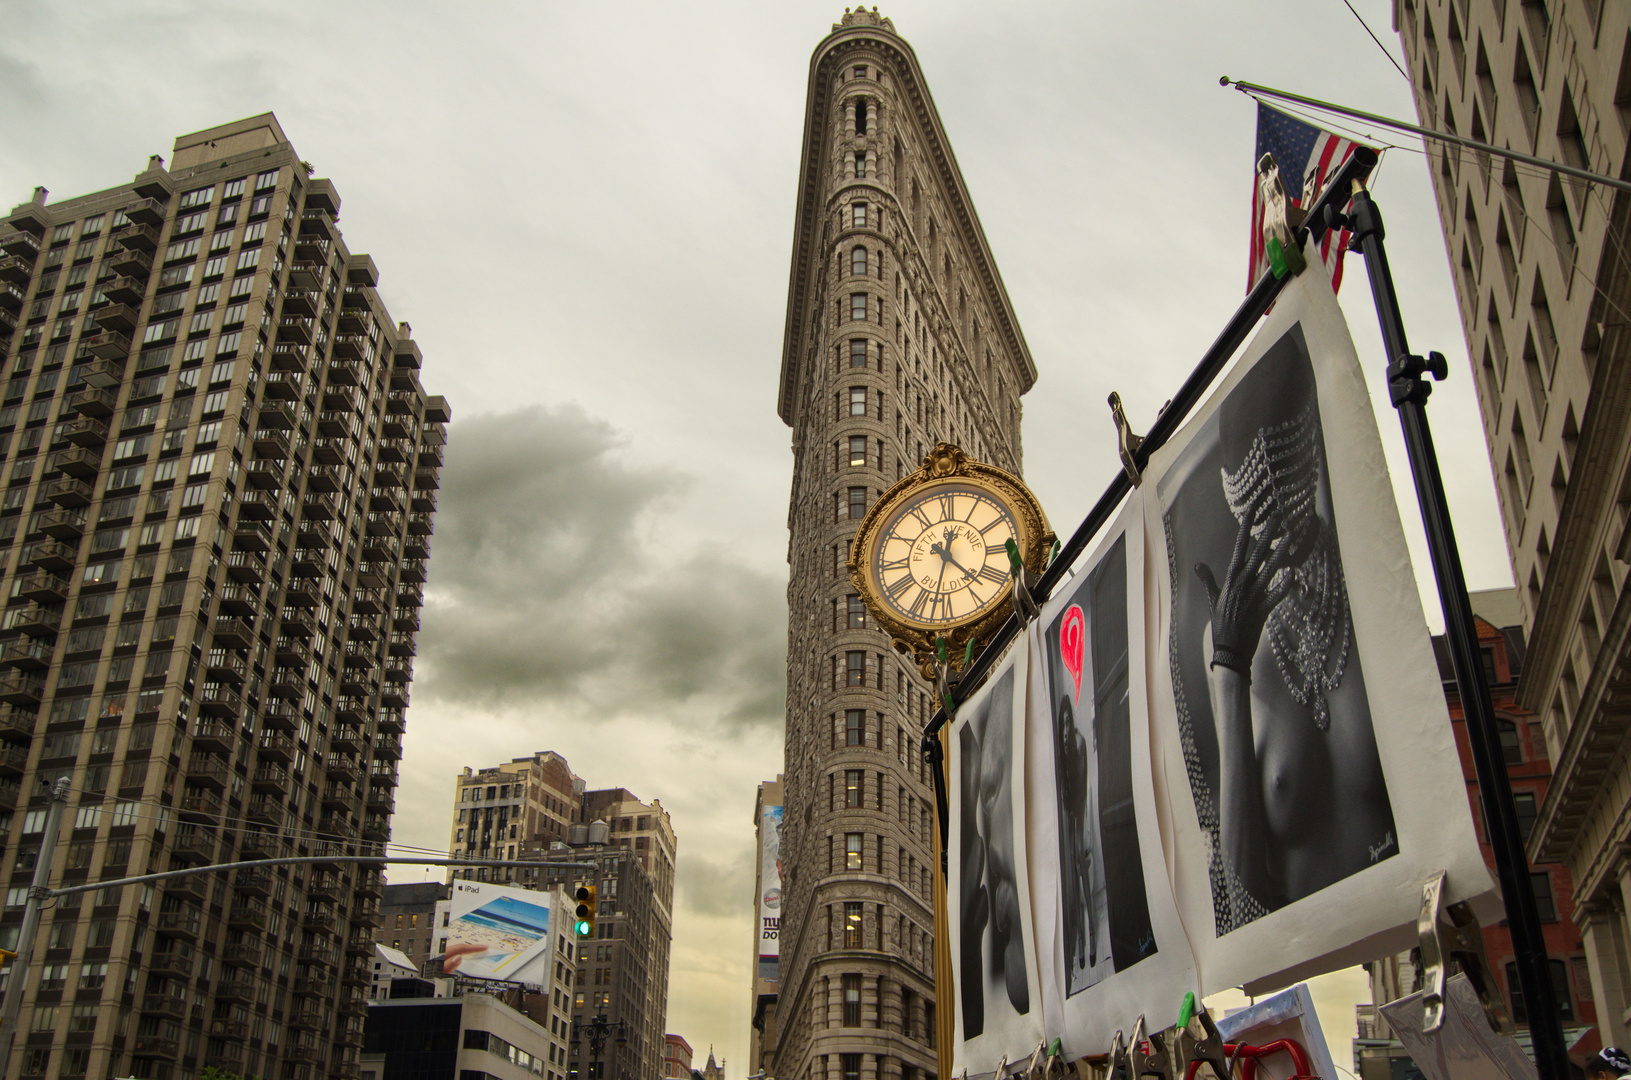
pixel 585 211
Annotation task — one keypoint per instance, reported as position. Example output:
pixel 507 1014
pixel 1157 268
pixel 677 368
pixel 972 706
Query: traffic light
pixel 585 924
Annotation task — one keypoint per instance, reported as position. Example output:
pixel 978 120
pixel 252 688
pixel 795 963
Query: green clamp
pixel 1186 1011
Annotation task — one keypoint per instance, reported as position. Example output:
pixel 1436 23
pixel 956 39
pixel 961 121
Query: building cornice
pixel 810 211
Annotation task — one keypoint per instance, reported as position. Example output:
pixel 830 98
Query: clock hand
pixel 946 557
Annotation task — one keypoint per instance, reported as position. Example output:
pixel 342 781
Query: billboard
pixel 499 932
pixel 770 892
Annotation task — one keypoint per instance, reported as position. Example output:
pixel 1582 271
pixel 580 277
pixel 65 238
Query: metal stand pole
pixel 38 892
pixel 1409 393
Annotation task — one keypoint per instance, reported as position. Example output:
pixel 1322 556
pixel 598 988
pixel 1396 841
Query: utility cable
pixel 1378 41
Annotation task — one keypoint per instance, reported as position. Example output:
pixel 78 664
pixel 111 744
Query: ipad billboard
pixel 500 933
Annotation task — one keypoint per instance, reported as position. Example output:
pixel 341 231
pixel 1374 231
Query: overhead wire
pixel 1378 41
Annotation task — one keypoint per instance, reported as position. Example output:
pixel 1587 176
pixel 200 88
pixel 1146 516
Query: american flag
pixel 1307 158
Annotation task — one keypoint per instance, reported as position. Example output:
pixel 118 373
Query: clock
pixel 930 558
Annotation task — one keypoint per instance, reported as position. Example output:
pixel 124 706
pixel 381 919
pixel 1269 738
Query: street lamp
pixel 595 1032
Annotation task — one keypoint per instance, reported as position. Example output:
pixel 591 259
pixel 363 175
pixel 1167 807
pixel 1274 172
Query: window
pixel 857 401
pixel 855 671
pixel 853 785
pixel 856 612
pixel 852 1002
pixel 857 307
pixel 266 181
pixel 857 262
pixel 92 976
pixel 857 503
pixel 201 464
pixel 189 223
pixel 1524 802
pixel 1541 882
pixel 857 451
pixel 852 913
pixel 233 188
pixel 855 723
pixel 857 215
pixel 857 353
pixel 248 260
pixel 1511 745
pixel 1560 991
pixel 860 116
pixel 196 197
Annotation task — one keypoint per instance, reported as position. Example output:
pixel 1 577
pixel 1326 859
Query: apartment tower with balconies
pixel 899 333
pixel 1543 277
pixel 220 472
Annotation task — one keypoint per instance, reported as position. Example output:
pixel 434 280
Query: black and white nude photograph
pixel 1274 718
pixel 1104 912
pixel 994 980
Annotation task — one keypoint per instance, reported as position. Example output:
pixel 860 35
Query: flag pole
pixel 1430 133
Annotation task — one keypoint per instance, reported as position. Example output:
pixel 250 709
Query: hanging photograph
pixel 1111 944
pixel 998 1012
pixel 1298 699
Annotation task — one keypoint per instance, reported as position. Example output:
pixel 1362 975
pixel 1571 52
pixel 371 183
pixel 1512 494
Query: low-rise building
pixel 406 913
pixel 476 1035
pixel 676 1058
pixel 389 964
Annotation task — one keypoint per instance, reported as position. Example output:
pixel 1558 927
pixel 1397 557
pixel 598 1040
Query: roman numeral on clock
pixel 992 573
pixel 897 588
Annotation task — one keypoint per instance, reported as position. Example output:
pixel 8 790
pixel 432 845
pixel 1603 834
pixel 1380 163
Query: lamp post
pixel 595 1032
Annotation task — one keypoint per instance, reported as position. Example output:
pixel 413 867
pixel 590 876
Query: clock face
pixel 940 559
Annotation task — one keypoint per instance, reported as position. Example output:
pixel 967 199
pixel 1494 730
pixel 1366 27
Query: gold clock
pixel 930 558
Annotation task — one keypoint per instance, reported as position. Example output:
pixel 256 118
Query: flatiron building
pixel 220 472
pixel 899 333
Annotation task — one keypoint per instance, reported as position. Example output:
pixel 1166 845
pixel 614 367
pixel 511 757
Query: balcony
pixel 69 491
pixel 262 845
pixel 103 374
pixel 321 922
pixel 297 624
pixel 342 767
pixel 301 302
pixel 383 773
pixel 17 725
pixel 354 975
pixel 10 793
pixel 385 501
pixel 11 296
pixel 287 684
pixel 337 423
pixel 327 450
pixel 318 954
pixel 370 884
pixel 63 524
pixel 311 247
pixel 207 770
pixel 21 244
pixel 384 526
pixel 94 401
pixel 324 478
pixel 325 886
pixel 319 507
pixel 235 988
pixel 410 596
pixel 414 571
pixel 309 988
pixel 315 534
pixel 281 716
pixel 227 1057
pixel 420 525
pixel 156 1046
pixel 306 274
pixel 18 271
pixel 137 237
pixel 396 451
pixel 305 1055
pixel 258 504
pixel 247 915
pixel 136 264
pixel 233 633
pixel 32 654
pixel 293 653
pixel 193 889
pixel 361 628
pixel 175 963
pixel 253 882
pixel 107 344
pixel 242 954
pixel 51 555
pixel 147 212
pixel 264 810
pixel 340 398
pixel 20 688
pixel 368 602
pixel 214 735
pixel 245 567
pixel 376 573
pixel 306 562
pixel 242 600
pixel 351 710
pixel 126 289
pixel 276 416
pixel 296 329
pixel 344 373
pixel 348 738
pixel 360 944
pixel 351 347
pixel 338 797
pixel 276 746
pixel 289 356
pixel 217 700
pixel 227 667
pixel 86 431
pixel 271 779
pixel 358 683
pixel 415 547
pixel 265 474
pixel 251 536
pixel 43 587
pixel 194 847
pixel 204 807
pixel 271 444
pixel 39 621
pixel 283 385
pixel 13 759
pixel 317 223
pixel 376 827
pixel 172 1008
pixel 381 804
pixel 392 720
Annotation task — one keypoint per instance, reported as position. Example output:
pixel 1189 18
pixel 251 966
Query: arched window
pixel 857 262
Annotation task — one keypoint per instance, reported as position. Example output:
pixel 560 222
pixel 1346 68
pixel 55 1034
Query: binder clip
pixel 1280 220
pixel 1025 608
pixel 1451 933
pixel 1127 443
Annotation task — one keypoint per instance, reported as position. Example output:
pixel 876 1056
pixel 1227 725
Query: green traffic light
pixel 582 928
